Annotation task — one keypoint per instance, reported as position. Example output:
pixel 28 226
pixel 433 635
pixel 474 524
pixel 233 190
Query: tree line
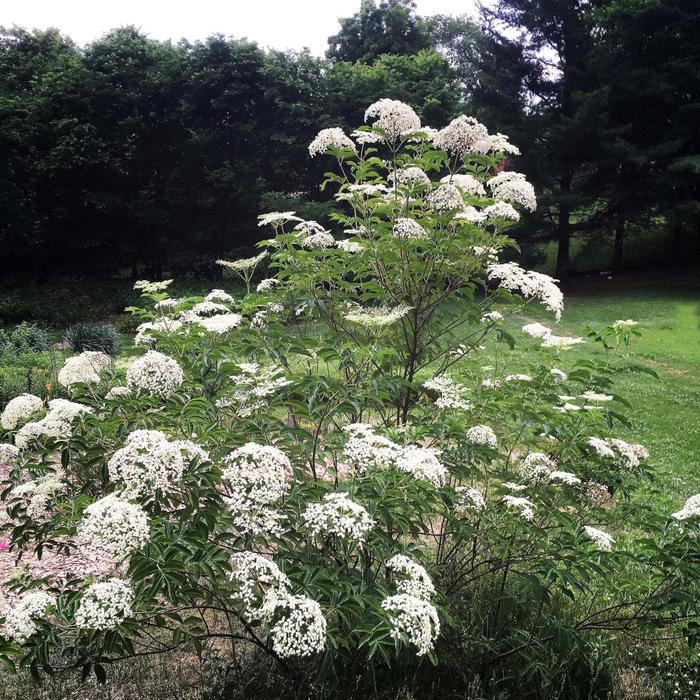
pixel 136 155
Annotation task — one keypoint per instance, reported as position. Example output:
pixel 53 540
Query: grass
pixel 665 410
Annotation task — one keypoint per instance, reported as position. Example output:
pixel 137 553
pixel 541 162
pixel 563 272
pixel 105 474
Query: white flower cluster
pixel 409 229
pixel 450 393
pixel 630 455
pixel 20 623
pixel 219 295
pixel 55 424
pixel 253 576
pixel 596 397
pixel 329 138
pixel 409 175
pixel 472 216
pixel 422 463
pixel 19 408
pixel 339 516
pixel 118 392
pixel 115 526
pixel 377 317
pixel 243 265
pixel 319 241
pixel 465 182
pixel 164 325
pixel 501 210
pixel 462 137
pixel 690 509
pixel 365 449
pixel 277 218
pixel 266 285
pixel 530 284
pixel 152 287
pixel 105 605
pixel 220 323
pixel 393 117
pixel 525 506
pixel 602 540
pixel 564 477
pixel 512 187
pixel 8 454
pixel 482 435
pixel 38 494
pixel 535 468
pixel 536 330
pixel 410 611
pixel 492 317
pixel 300 629
pixel 149 461
pixel 468 500
pixel 253 386
pixel 155 374
pixel 84 368
pixel 549 340
pixel 500 144
pixel 445 198
pixel 257 477
pixel 411 577
pixel 349 246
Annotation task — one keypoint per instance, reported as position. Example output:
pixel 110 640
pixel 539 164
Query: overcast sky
pixel 282 24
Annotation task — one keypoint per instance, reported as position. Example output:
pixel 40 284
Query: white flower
pixel 244 264
pixel 482 435
pixel 84 368
pixel 603 541
pixel 490 383
pixel 691 508
pixel 155 374
pixel 338 516
pixel 257 477
pixel 275 218
pixel 252 576
pixel 56 424
pixel 518 378
pixel 560 341
pixel 152 287
pixel 536 330
pixel 564 477
pixel 631 454
pixel 117 392
pixel 252 386
pixel 409 175
pixel 377 317
pixel 165 325
pixel 499 143
pixel 530 284
pixel 522 504
pixel 462 137
pixel 19 408
pixel 20 623
pixel 414 617
pixel 222 323
pixel 558 374
pixel 536 467
pixel 601 447
pixel 492 317
pixel 593 396
pixel 512 187
pixel 105 605
pixel 115 525
pixel 422 463
pixel 267 285
pixel 501 210
pixel 366 450
pixel 446 198
pixel 329 138
pixel 8 454
pixel 467 183
pixel 408 229
pixel 411 577
pixel 393 117
pixel 149 461
pixel 450 393
pixel 321 240
pixel 629 323
pixel 468 499
pixel 470 214
pixel 300 628
pixel 365 137
pixel 219 295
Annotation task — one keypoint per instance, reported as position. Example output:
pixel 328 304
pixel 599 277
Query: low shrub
pixel 94 336
pixel 26 337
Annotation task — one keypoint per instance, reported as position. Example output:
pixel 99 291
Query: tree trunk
pixel 617 248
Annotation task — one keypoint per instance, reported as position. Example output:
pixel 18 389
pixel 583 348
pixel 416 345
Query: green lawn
pixel 666 411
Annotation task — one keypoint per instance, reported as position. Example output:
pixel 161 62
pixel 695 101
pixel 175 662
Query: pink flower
pixel 4 544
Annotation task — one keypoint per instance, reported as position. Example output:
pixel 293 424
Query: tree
pixel 389 28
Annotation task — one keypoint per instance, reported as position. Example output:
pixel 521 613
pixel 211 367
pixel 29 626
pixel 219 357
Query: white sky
pixel 282 24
